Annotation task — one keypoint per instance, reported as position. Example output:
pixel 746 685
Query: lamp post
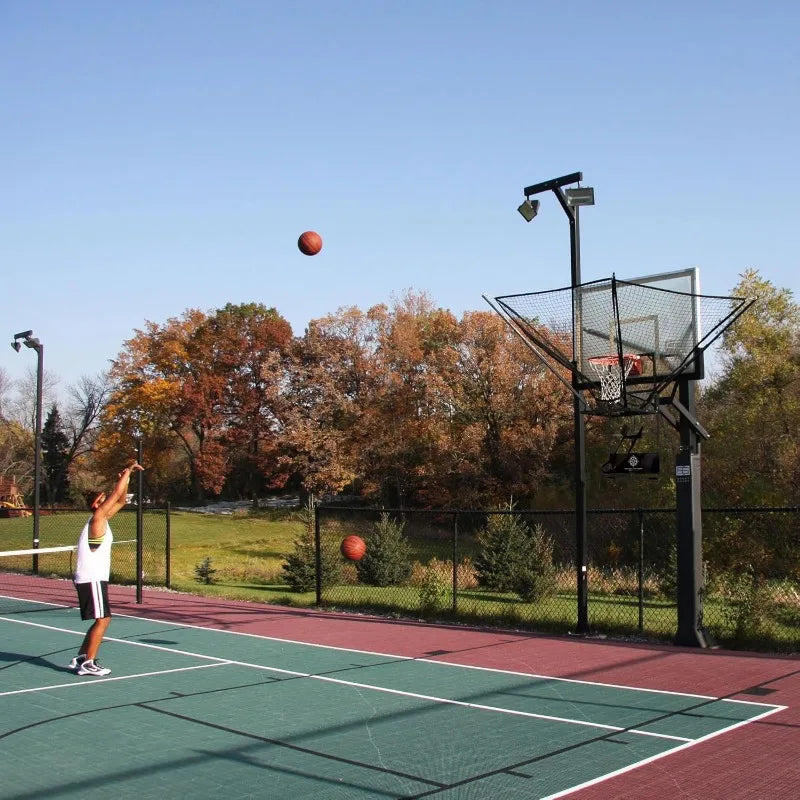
pixel 571 200
pixel 29 341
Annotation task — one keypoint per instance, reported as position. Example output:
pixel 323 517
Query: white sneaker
pixel 90 667
pixel 77 661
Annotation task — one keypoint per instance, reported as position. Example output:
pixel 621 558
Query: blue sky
pixel 159 156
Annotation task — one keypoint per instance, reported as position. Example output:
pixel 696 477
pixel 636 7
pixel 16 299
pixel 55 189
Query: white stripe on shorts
pixel 97 600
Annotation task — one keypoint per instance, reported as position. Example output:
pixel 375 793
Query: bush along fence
pixel 517 568
pixel 60 528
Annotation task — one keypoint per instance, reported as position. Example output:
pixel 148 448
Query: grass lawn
pixel 246 552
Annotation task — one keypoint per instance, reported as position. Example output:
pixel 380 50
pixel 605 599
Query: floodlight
pixel 16 345
pixel 529 209
pixel 580 196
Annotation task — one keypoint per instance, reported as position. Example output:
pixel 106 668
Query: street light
pixel 571 200
pixel 29 341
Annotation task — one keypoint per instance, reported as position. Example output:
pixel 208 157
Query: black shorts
pixel 93 599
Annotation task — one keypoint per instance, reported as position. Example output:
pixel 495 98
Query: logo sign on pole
pixel 633 464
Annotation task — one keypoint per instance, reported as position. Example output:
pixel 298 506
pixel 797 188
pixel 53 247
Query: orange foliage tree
pixel 206 392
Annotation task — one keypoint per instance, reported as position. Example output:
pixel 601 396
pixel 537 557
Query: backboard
pixel 662 327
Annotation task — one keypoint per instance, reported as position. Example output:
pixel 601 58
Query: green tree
pixel 501 542
pixel 55 458
pixel 515 557
pixel 387 561
pixel 300 566
pixel 753 407
pixel 535 577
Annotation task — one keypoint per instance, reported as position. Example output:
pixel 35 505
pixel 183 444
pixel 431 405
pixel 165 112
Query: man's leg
pixel 93 638
pixel 93 599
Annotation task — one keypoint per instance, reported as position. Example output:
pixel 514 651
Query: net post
pixel 139 523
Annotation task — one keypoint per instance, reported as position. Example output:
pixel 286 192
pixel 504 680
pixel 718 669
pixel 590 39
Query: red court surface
pixel 757 760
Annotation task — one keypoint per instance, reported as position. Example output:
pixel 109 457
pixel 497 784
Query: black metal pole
pixel 37 456
pixel 689 527
pixel 317 555
pixel 139 525
pixel 581 551
pixel 579 424
pixel 641 571
pixel 455 563
pixel 168 549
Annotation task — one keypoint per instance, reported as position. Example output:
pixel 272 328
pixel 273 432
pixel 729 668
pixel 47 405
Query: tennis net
pixel 22 573
pixel 59 562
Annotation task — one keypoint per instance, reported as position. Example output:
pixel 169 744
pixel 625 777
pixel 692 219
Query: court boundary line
pixel 96 681
pixel 421 659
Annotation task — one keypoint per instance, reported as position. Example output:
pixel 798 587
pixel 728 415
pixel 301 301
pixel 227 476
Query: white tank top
pixel 93 565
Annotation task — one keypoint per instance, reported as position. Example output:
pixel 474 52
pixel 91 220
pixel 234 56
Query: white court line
pixel 91 681
pixel 397 657
pixel 367 686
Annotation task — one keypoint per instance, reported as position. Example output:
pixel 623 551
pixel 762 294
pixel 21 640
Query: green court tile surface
pixel 190 712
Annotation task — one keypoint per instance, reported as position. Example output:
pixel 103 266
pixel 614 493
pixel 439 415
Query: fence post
pixel 455 563
pixel 641 570
pixel 168 548
pixel 318 555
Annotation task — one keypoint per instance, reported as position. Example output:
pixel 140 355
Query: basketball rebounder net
pixel 620 345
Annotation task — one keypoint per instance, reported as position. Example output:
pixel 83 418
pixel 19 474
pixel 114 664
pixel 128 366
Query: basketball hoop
pixel 612 373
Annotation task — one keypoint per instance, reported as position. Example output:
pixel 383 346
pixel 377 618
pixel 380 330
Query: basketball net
pixel 612 373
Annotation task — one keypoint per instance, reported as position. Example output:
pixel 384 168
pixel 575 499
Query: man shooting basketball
pixel 92 571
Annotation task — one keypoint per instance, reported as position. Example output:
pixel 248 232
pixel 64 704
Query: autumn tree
pixel 16 443
pixel 509 413
pixel 209 388
pixel 239 370
pixel 408 420
pixel 147 398
pixel 332 385
pixel 418 408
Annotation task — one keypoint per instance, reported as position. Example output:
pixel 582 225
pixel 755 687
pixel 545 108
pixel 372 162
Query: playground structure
pixel 11 501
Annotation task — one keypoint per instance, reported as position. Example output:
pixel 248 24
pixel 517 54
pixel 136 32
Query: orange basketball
pixel 353 548
pixel 309 243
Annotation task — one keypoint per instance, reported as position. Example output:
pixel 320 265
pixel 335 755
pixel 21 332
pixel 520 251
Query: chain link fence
pixel 452 565
pixel 60 528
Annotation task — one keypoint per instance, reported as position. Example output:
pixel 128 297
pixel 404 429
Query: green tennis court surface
pixel 195 712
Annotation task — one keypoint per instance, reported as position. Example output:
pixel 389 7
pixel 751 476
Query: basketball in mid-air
pixel 353 548
pixel 309 243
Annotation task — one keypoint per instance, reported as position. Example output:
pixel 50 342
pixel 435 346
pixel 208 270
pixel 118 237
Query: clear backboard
pixel 655 318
